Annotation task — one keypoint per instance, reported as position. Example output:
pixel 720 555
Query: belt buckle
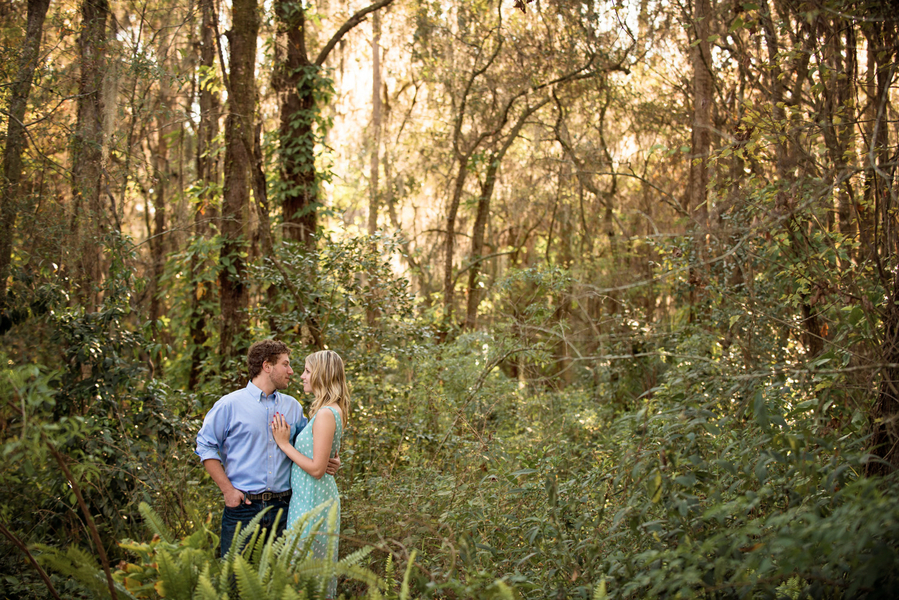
pixel 266 496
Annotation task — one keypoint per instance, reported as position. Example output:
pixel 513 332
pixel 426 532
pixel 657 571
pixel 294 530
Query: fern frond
pixel 291 594
pixel 356 557
pixel 268 551
pixel 175 573
pixel 247 580
pixel 76 564
pixel 294 536
pixel 312 567
pixel 599 592
pixel 404 590
pixel 254 546
pixel 315 567
pixel 333 514
pixel 154 522
pixel 241 534
pixel 358 573
pixel 388 570
pixel 205 589
pixel 276 581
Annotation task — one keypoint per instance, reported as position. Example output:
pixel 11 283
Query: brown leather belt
pixel 268 496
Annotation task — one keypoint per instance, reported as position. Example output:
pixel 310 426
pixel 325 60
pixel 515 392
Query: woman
pixel 323 376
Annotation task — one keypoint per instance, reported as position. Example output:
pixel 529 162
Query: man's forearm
pixel 217 472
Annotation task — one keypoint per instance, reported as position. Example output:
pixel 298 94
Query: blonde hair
pixel 328 382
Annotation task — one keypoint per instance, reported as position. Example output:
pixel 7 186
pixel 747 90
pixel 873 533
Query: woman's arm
pixel 322 436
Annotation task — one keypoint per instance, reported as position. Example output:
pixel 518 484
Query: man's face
pixel 280 372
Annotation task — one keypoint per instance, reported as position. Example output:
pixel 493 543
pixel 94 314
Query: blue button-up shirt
pixel 237 432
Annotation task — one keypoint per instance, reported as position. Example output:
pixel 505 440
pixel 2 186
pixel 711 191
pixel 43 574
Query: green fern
pixel 388 568
pixel 268 550
pixel 154 522
pixel 248 579
pixel 267 568
pixel 599 592
pixel 404 590
pixel 82 567
pixel 356 557
pixel 205 589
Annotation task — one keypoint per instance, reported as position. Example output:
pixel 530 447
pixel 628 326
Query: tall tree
pixel 87 149
pixel 208 176
pixel 701 139
pixel 375 123
pixel 239 127
pixel 300 81
pixel 15 140
pixel 879 219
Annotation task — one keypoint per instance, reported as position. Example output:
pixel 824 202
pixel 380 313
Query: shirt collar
pixel 257 393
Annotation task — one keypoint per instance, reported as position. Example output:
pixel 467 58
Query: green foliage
pixel 718 485
pixel 267 567
pixel 350 291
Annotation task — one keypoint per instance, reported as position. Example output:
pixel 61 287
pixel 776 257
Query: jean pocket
pixel 240 510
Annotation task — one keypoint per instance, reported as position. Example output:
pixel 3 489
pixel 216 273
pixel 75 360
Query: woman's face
pixel 306 376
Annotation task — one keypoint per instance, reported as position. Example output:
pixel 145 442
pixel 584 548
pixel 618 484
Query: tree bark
pixel 208 173
pixel 157 237
pixel 87 151
pixel 700 144
pixel 375 123
pixel 884 416
pixel 876 131
pixel 449 285
pixel 15 140
pixel 298 80
pixel 295 78
pixel 234 296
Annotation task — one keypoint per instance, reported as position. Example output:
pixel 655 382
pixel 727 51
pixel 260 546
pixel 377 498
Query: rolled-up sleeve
pixel 212 434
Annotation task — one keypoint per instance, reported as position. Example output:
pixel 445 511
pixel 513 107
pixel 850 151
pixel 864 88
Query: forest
pixel 616 283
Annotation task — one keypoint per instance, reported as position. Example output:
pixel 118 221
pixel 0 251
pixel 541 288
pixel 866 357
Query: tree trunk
pixel 206 211
pixel 295 79
pixel 885 414
pixel 875 133
pixel 15 140
pixel 157 237
pixel 375 123
pixel 880 196
pixel 238 157
pixel 477 242
pixel 700 144
pixel 449 247
pixel 87 151
pixel 298 80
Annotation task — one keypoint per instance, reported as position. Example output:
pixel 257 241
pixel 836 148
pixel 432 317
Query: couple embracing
pixel 262 452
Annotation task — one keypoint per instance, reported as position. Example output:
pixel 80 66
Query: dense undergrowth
pixel 463 476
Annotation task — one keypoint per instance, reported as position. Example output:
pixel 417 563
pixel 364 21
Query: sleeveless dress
pixel 309 492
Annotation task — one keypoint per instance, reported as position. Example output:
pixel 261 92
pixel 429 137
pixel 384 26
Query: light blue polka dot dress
pixel 309 492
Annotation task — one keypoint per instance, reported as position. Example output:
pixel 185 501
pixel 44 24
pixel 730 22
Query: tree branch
pixel 346 27
pixel 18 543
pixel 92 526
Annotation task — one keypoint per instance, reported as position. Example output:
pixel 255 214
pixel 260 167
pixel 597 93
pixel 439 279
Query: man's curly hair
pixel 262 351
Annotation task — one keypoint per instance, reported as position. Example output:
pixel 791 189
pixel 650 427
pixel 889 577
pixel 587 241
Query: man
pixel 237 447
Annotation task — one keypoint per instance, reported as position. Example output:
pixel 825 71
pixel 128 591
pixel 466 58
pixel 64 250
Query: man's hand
pixel 234 497
pixel 333 465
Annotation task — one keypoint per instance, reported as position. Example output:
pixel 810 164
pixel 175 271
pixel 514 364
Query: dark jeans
pixel 244 513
